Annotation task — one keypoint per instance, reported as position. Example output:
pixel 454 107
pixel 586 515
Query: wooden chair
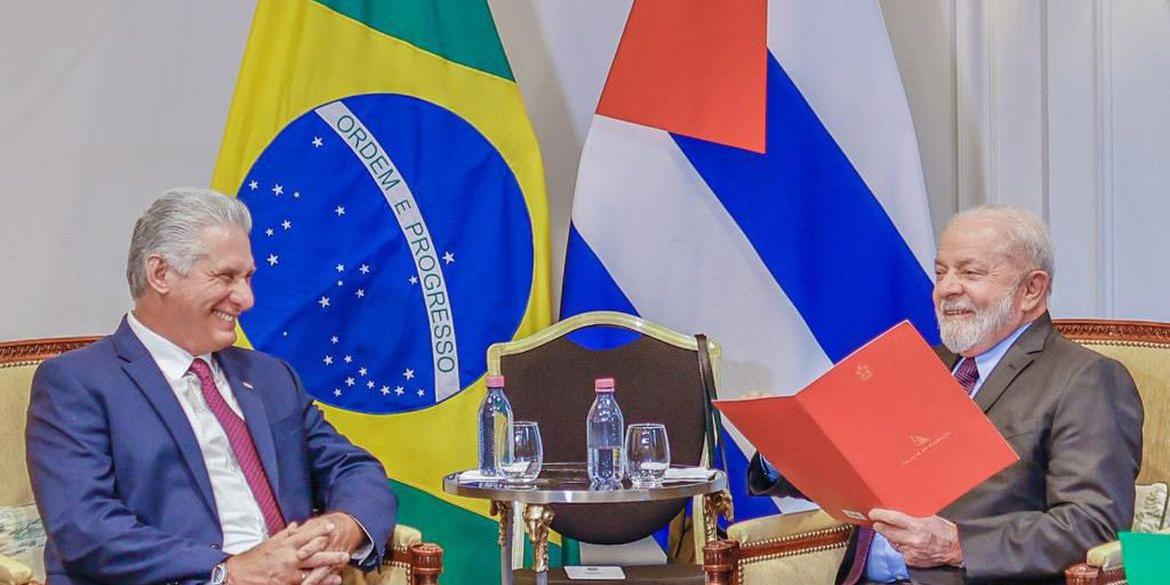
pixel 550 381
pixel 411 561
pixel 808 547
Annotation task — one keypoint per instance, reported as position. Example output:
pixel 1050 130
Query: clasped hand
pixel 923 542
pixel 313 553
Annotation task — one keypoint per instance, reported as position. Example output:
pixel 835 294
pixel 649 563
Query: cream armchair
pixel 409 562
pixel 808 547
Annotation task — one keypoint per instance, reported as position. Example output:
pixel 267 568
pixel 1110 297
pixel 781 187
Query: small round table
pixel 568 483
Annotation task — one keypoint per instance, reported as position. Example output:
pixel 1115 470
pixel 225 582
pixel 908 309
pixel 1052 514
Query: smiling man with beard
pixel 1073 416
pixel 162 454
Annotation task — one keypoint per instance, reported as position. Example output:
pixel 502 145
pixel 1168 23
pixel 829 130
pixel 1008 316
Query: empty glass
pixel 647 454
pixel 527 453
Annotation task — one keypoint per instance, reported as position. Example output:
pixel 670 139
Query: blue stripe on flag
pixel 588 286
pixel 823 235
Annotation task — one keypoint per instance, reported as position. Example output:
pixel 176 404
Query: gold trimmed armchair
pixel 411 561
pixel 662 376
pixel 807 547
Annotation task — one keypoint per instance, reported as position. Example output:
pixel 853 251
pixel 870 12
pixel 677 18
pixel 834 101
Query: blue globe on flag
pixel 392 244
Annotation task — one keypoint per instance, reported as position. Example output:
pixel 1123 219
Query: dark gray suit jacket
pixel 1075 419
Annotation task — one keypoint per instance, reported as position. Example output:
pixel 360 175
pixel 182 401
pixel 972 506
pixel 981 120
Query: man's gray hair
pixel 1027 236
pixel 171 227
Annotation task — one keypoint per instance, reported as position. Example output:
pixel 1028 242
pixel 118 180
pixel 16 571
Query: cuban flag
pixel 752 173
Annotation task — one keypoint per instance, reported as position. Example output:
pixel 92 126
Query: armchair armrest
pixel 408 561
pixel 1102 566
pixel 804 547
pixel 14 572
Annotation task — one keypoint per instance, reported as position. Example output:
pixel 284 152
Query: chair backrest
pixel 549 379
pixel 1144 348
pixel 18 362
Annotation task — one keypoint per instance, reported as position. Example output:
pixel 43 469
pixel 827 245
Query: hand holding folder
pixel 887 427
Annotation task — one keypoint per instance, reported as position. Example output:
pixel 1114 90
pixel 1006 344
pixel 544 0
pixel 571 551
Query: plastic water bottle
pixel 603 432
pixel 495 429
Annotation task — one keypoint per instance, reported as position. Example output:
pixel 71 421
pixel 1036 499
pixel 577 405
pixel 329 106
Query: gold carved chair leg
pixel 537 519
pixel 715 505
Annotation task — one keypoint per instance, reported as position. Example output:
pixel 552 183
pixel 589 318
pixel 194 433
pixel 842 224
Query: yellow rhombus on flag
pixel 400 227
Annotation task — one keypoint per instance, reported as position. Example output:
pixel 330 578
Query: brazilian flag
pixel 400 227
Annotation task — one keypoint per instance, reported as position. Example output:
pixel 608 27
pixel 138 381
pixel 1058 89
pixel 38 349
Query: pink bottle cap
pixel 495 381
pixel 603 385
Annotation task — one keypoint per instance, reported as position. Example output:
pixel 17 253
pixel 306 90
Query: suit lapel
pixel 255 414
pixel 142 369
pixel 1019 356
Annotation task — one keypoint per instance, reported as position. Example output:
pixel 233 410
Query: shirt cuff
pixel 366 550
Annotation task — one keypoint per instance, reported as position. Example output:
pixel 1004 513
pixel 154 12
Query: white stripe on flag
pixel 681 259
pixel 839 56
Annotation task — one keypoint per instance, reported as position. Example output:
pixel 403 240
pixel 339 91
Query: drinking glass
pixel 647 454
pixel 527 453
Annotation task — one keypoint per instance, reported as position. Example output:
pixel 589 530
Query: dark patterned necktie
pixel 242 447
pixel 967 374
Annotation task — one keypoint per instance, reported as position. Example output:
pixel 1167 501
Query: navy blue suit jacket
pixel 120 481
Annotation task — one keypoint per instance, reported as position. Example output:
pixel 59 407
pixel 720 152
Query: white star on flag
pixel 365 269
pixel 334 339
pixel 449 257
pixel 273 259
pixel 278 190
pixel 409 374
pixel 340 211
pixel 362 371
pixel 420 392
pixel 253 185
pixel 286 224
pixel 341 283
pixel 317 142
pixel 269 232
pixel 296 194
pixel 360 293
pixel 349 359
pixel 340 267
pixel 399 390
pixel 413 280
pixel 328 360
pixel 349 381
pixel 385 390
pixel 324 302
pixel 370 384
pixel 336 392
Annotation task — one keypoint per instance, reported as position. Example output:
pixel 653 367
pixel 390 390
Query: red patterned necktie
pixel 242 447
pixel 967 374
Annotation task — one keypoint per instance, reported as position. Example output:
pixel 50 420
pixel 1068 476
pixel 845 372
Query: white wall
pixel 1060 107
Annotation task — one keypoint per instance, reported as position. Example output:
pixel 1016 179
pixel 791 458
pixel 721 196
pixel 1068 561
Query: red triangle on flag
pixel 693 67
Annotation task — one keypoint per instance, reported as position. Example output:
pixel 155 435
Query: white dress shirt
pixel 239 514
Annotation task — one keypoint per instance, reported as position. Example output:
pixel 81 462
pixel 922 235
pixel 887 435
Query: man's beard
pixel 960 336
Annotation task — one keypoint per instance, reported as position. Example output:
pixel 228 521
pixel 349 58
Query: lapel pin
pixel 247 385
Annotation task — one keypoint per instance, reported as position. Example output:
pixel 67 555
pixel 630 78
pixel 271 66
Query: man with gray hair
pixel 1073 416
pixel 162 454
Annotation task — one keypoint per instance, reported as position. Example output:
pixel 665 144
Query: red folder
pixel 887 427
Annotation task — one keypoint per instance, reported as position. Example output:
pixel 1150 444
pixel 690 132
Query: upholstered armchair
pixel 22 538
pixel 808 547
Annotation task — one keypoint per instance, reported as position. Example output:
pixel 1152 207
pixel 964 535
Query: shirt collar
pixel 987 360
pixel 173 360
